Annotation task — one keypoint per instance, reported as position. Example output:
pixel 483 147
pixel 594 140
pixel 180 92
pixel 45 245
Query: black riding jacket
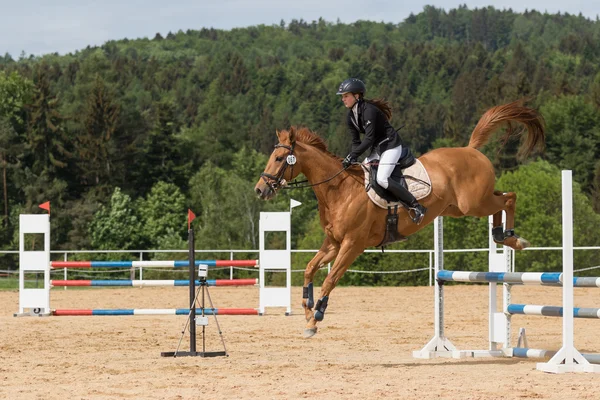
pixel 376 128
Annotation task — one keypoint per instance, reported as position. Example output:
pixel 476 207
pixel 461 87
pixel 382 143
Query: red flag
pixel 191 217
pixel 45 206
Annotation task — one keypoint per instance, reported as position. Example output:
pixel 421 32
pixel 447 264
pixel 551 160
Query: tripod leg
pixel 216 320
pixel 187 322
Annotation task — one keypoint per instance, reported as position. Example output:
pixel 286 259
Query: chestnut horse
pixel 462 181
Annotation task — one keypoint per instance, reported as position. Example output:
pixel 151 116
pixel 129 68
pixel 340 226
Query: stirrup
pixel 416 214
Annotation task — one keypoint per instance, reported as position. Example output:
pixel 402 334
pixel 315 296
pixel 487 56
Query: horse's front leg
pixel 349 250
pixel 326 254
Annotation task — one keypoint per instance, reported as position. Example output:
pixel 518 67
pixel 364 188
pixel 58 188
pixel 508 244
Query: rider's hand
pixel 348 161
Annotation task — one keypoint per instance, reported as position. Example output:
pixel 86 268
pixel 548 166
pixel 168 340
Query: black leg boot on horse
pixel 415 210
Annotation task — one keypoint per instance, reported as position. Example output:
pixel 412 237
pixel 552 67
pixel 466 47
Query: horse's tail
pixel 507 114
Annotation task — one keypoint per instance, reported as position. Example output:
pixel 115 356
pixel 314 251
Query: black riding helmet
pixel 352 85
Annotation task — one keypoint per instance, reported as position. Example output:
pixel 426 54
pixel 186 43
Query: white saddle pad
pixel 419 187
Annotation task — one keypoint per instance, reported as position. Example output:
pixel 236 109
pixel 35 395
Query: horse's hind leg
pixel 510 239
pixel 507 237
pixel 497 228
pixel 326 254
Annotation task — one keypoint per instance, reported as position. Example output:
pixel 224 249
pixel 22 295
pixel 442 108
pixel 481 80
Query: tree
pixel 96 147
pixel 162 157
pixel 10 148
pixel 226 205
pixel 116 225
pixel 162 213
pixel 141 111
pixel 15 93
pixel 538 189
pixel 573 136
pixel 47 142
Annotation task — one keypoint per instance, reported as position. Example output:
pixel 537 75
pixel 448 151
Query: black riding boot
pixel 416 211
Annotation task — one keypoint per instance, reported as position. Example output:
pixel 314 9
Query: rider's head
pixel 351 90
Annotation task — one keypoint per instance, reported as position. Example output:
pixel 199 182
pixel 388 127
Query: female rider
pixel 371 117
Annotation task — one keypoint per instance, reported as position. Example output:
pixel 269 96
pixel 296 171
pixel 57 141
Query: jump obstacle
pixel 501 271
pixel 36 301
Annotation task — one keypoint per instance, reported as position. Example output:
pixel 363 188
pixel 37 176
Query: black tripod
pixel 202 319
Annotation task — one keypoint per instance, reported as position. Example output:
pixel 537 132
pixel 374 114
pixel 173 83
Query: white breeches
pixel 387 163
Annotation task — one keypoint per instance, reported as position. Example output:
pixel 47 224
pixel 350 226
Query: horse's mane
pixel 306 136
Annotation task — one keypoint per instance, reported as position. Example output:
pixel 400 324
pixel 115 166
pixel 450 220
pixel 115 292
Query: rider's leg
pixel 387 163
pixel 416 211
pixel 386 166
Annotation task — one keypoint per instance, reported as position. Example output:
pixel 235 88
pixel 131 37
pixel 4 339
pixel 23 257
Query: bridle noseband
pixel 276 182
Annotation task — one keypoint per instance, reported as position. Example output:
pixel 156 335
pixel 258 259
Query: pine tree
pixel 95 145
pixel 47 141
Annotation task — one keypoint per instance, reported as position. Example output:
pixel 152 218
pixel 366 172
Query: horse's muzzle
pixel 264 191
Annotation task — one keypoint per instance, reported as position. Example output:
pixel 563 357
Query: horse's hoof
pixel 523 244
pixel 319 316
pixel 310 332
pixel 516 242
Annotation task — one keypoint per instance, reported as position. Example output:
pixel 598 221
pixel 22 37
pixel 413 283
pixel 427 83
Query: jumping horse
pixel 462 184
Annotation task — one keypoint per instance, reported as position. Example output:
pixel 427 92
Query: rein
pixel 276 182
pixel 297 183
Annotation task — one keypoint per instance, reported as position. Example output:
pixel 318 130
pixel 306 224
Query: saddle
pixel 414 177
pixel 418 184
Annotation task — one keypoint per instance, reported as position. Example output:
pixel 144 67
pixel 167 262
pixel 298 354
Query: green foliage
pixel 170 240
pixel 15 93
pixel 228 209
pixel 187 121
pixel 540 222
pixel 98 145
pixel 162 214
pixel 573 135
pixel 47 140
pixel 116 225
pixel 11 150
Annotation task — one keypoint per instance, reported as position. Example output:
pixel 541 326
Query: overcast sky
pixel 63 26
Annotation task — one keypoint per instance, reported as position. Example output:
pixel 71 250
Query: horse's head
pixel 282 166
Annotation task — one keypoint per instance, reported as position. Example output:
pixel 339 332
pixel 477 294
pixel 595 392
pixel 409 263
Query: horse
pixel 462 184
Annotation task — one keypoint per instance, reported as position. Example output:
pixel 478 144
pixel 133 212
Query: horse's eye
pixel 279 159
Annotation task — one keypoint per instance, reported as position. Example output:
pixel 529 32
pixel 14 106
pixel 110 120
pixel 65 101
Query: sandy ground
pixel 363 348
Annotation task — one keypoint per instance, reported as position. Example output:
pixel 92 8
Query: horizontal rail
pixel 142 283
pixel 551 311
pixel 137 264
pixel 523 352
pixel 526 278
pixel 153 311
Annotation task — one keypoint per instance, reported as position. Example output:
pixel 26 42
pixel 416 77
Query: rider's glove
pixel 348 161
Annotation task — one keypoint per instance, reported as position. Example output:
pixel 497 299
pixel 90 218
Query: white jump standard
pixel 36 301
pixel 567 359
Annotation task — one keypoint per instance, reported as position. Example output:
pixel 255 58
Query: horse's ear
pixel 292 135
pixel 277 133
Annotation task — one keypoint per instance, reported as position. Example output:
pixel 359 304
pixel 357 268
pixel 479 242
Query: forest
pixel 123 138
